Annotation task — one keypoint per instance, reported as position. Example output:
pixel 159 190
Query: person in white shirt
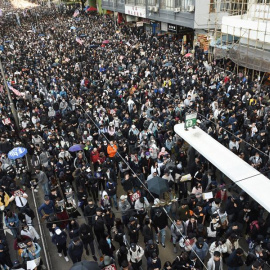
pixel 30 231
pixel 19 196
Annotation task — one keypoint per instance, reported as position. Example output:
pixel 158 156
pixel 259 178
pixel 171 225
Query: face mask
pixel 147 157
pixel 109 241
pixel 154 260
pixel 241 198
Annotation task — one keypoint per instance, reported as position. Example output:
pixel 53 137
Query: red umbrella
pixel 106 42
pixel 91 9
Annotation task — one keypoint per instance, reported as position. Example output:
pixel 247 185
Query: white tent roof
pixel 245 176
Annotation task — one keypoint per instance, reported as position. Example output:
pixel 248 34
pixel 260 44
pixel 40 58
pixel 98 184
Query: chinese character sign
pixel 136 11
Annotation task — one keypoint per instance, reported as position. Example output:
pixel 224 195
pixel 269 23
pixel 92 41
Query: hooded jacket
pixel 201 252
pixel 135 256
pixel 86 233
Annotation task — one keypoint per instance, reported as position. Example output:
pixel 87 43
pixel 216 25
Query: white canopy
pixel 245 176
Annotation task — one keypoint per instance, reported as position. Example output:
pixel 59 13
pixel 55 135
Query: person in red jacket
pixel 95 158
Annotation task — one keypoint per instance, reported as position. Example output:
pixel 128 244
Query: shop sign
pixel 135 11
pixel 139 24
pixel 172 28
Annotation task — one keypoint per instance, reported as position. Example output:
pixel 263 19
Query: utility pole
pixel 12 106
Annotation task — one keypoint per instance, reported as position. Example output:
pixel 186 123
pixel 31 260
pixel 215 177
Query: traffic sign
pixel 190 120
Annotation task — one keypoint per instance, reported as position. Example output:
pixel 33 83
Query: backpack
pixel 254 226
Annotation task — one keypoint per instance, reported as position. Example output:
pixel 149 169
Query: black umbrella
pixel 158 185
pixel 85 265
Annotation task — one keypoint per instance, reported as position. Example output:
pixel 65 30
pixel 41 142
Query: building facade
pixel 174 16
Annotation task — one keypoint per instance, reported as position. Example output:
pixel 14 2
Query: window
pixel 132 2
pixel 171 4
pixel 212 7
pixel 152 2
pixel 234 7
pixel 140 2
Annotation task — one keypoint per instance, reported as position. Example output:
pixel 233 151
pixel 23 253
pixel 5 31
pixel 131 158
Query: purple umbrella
pixel 76 147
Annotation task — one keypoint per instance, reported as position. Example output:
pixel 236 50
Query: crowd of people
pixel 115 97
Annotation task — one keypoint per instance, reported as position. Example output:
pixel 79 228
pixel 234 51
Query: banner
pixel 15 91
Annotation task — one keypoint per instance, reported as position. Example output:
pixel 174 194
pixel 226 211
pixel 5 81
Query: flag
pixel 15 91
pixel 76 13
pixel 80 41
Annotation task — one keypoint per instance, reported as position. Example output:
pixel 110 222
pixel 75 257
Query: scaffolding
pixel 241 34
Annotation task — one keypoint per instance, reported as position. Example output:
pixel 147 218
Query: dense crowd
pixel 115 95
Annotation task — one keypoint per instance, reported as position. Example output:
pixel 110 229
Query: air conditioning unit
pixel 150 8
pixel 155 9
pixel 176 10
pixel 191 8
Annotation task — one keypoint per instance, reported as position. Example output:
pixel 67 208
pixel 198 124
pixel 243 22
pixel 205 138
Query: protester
pixel 119 101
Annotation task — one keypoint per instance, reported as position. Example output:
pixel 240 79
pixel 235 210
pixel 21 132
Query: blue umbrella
pixel 41 35
pixel 76 147
pixel 83 35
pixel 72 27
pixel 17 152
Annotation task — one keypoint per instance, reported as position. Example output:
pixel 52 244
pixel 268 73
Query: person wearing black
pixel 109 218
pixel 98 224
pixel 235 261
pixel 153 262
pixel 119 232
pixel 133 230
pixel 150 249
pixel 75 250
pixel 160 222
pixel 60 240
pixel 87 236
pixel 121 254
pixel 4 254
pixel 147 230
pixel 106 246
pixel 90 211
pixel 194 263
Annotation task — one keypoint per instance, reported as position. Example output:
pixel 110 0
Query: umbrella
pixel 83 35
pixel 29 31
pixel 17 152
pixel 76 147
pixel 168 64
pixel 106 42
pixel 188 55
pixel 72 27
pixel 41 35
pixel 55 64
pixel 85 265
pixel 91 9
pixel 158 185
pixel 93 46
